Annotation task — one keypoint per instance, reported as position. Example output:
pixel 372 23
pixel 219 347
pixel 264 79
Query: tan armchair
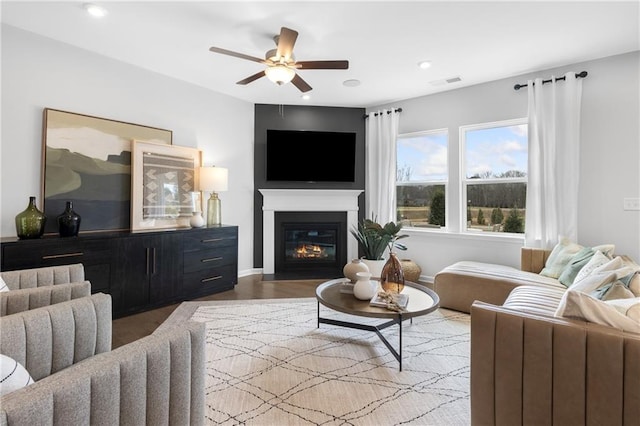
pixel 38 287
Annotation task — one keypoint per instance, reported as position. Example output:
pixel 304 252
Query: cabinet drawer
pixel 23 255
pixel 209 281
pixel 207 259
pixel 207 240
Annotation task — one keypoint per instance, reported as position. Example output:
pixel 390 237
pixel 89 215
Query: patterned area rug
pixel 268 363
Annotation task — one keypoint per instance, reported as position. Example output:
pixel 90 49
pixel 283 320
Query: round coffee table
pixel 422 301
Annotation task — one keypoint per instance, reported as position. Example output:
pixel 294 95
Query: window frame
pixel 465 181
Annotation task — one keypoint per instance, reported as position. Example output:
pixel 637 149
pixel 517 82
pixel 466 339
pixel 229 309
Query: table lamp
pixel 214 179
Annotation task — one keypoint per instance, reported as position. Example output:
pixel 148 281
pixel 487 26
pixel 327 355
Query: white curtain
pixel 554 163
pixel 380 176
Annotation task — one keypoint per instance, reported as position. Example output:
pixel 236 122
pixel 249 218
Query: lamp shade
pixel 214 179
pixel 280 74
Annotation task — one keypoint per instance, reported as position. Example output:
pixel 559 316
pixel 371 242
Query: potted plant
pixel 373 239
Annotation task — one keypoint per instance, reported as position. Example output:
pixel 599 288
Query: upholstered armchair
pixel 65 347
pixel 37 287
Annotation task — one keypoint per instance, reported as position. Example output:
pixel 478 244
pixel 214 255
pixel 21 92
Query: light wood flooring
pixel 133 327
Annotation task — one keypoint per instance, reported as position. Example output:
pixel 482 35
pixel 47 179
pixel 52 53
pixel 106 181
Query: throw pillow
pixel 559 257
pixel 3 285
pixel 13 375
pixel 606 249
pixel 584 307
pixel 578 261
pixel 634 284
pixel 628 307
pixel 598 259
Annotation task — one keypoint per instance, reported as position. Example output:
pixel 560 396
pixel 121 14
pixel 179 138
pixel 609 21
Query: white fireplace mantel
pixel 305 200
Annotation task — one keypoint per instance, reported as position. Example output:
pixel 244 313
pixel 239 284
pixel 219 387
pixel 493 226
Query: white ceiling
pixel 383 40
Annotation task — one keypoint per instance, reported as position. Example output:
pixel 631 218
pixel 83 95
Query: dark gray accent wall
pixel 292 117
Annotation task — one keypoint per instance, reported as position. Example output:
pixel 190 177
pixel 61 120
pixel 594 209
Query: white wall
pixel 609 160
pixel 40 73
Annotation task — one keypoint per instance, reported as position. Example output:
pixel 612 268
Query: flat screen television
pixel 310 156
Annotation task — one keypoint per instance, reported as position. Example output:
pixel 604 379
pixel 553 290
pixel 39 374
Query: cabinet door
pixel 148 269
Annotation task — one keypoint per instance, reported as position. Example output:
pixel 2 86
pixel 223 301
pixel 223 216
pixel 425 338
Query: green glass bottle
pixel 30 222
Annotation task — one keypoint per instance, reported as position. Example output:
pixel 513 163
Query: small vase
pixel 375 266
pixel 411 270
pixel 196 221
pixel 352 268
pixel 69 221
pixel 30 222
pixel 364 289
pixel 392 278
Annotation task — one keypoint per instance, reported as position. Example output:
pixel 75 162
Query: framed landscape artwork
pixel 164 180
pixel 87 160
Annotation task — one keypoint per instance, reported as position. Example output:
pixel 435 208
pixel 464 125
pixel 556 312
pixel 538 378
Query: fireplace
pixel 306 201
pixel 310 244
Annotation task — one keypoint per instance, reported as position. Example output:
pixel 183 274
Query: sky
pixel 490 150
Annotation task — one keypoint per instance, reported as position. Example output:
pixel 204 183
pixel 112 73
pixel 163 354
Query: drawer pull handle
pixel 58 256
pixel 211 240
pixel 204 280
pixel 212 259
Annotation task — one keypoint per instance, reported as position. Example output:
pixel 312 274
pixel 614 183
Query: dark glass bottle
pixel 392 277
pixel 30 222
pixel 69 221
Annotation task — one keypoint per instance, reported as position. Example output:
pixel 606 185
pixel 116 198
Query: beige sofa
pixel 37 287
pixel 66 348
pixel 530 367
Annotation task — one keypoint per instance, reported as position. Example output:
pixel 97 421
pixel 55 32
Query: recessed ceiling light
pixel 95 10
pixel 306 97
pixel 351 83
pixel 424 65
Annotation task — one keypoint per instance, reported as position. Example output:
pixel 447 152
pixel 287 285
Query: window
pixel 421 179
pixel 494 180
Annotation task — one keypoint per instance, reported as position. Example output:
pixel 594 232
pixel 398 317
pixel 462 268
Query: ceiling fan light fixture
pixel 280 74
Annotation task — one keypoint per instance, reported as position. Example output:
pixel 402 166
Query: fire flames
pixel 309 251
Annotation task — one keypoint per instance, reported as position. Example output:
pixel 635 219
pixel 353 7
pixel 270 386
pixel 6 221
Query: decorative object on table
pixel 352 268
pixel 214 179
pixel 196 221
pixel 30 223
pixel 392 301
pixel 88 160
pixel 411 270
pixel 364 288
pixel 392 278
pixel 69 221
pixel 373 239
pixel 163 178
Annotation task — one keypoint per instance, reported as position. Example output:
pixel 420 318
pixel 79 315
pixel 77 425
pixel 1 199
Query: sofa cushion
pixel 535 299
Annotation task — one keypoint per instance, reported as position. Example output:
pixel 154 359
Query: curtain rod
pixel 375 114
pixel 582 74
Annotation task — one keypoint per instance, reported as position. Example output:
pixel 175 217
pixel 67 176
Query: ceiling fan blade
pixel 252 78
pixel 286 40
pixel 302 85
pixel 322 65
pixel 237 55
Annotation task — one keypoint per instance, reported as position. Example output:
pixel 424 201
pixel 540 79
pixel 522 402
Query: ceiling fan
pixel 281 64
